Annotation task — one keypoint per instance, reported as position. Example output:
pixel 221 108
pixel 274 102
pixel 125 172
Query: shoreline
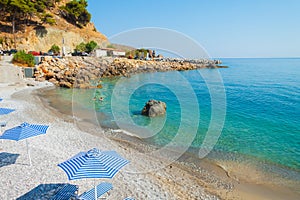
pixel 178 180
pixel 231 183
pixel 63 140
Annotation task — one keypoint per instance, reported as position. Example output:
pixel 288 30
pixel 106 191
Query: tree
pixel 55 49
pixel 3 7
pixel 23 58
pixel 76 13
pixel 81 47
pixel 90 46
pixel 24 9
pixel 18 9
pixel 48 18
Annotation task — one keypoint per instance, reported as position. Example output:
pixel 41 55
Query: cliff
pixel 37 36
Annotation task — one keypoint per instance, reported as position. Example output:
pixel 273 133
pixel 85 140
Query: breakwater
pixel 85 72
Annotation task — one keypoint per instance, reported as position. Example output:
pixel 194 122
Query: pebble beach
pixel 145 177
pixel 63 140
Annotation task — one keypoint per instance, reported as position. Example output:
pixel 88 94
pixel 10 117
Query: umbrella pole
pixel 95 189
pixel 1 133
pixel 28 153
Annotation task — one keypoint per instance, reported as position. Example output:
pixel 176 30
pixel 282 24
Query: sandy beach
pixel 64 139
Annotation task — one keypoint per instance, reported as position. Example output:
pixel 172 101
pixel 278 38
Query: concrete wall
pixel 118 53
pixel 101 53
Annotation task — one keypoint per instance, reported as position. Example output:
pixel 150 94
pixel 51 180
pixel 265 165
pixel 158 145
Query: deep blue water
pixel 262 107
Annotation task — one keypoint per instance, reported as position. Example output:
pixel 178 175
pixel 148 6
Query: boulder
pixel 65 84
pixel 154 108
pixel 49 75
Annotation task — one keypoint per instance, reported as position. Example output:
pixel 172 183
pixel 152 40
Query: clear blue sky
pixel 225 28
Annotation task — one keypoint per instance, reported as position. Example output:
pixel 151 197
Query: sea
pixel 249 111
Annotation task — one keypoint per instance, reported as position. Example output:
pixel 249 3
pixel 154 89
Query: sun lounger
pixel 102 188
pixel 66 192
pixel 2 124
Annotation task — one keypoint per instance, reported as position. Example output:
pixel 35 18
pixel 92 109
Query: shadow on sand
pixel 43 192
pixel 8 158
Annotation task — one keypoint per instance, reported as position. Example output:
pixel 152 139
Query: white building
pixel 118 53
pixel 100 52
pixel 109 52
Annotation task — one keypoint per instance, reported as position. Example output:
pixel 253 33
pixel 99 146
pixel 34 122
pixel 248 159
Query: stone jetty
pixel 86 72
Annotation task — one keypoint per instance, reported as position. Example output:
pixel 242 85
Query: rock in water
pixel 154 108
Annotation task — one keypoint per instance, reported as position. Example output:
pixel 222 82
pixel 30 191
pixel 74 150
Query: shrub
pixel 110 46
pixel 137 52
pixel 81 47
pixel 90 46
pixel 23 58
pixel 48 18
pixel 55 49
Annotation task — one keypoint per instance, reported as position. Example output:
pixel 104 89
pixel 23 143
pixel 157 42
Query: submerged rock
pixel 154 108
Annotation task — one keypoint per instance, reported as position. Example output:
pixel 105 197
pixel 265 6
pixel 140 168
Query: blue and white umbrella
pixel 93 164
pixel 4 111
pixel 1 99
pixel 24 131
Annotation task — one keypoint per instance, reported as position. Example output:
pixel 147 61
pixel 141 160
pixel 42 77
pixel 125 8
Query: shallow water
pixel 262 110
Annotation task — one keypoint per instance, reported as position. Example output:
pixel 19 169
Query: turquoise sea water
pixel 262 108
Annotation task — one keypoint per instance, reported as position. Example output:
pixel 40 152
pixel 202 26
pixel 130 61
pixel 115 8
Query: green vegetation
pixel 137 53
pixel 22 11
pixel 41 5
pixel 80 47
pixel 48 18
pixel 110 46
pixel 24 58
pixel 55 49
pixel 76 13
pixel 88 47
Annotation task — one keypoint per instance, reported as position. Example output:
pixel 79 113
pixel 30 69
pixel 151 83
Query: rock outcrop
pixel 86 72
pixel 37 36
pixel 125 67
pixel 154 108
pixel 72 72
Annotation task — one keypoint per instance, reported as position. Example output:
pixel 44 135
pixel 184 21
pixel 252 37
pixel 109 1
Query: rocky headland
pixel 36 35
pixel 86 72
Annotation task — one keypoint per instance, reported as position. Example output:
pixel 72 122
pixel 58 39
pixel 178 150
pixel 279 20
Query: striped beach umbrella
pixel 4 111
pixel 93 164
pixel 24 131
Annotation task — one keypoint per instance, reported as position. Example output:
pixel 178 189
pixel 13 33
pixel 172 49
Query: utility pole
pixel 63 47
pixel 13 30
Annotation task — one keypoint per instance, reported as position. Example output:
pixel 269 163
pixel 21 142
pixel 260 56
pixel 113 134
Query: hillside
pixel 33 34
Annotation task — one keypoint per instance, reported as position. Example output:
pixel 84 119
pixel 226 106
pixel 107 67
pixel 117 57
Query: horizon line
pixel 259 57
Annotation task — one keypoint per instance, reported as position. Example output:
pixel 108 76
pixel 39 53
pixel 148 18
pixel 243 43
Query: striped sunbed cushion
pixel 66 192
pixel 102 188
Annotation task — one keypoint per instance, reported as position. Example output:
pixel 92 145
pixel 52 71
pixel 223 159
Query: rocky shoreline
pixel 85 72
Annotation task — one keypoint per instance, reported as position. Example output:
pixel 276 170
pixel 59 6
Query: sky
pixel 224 28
